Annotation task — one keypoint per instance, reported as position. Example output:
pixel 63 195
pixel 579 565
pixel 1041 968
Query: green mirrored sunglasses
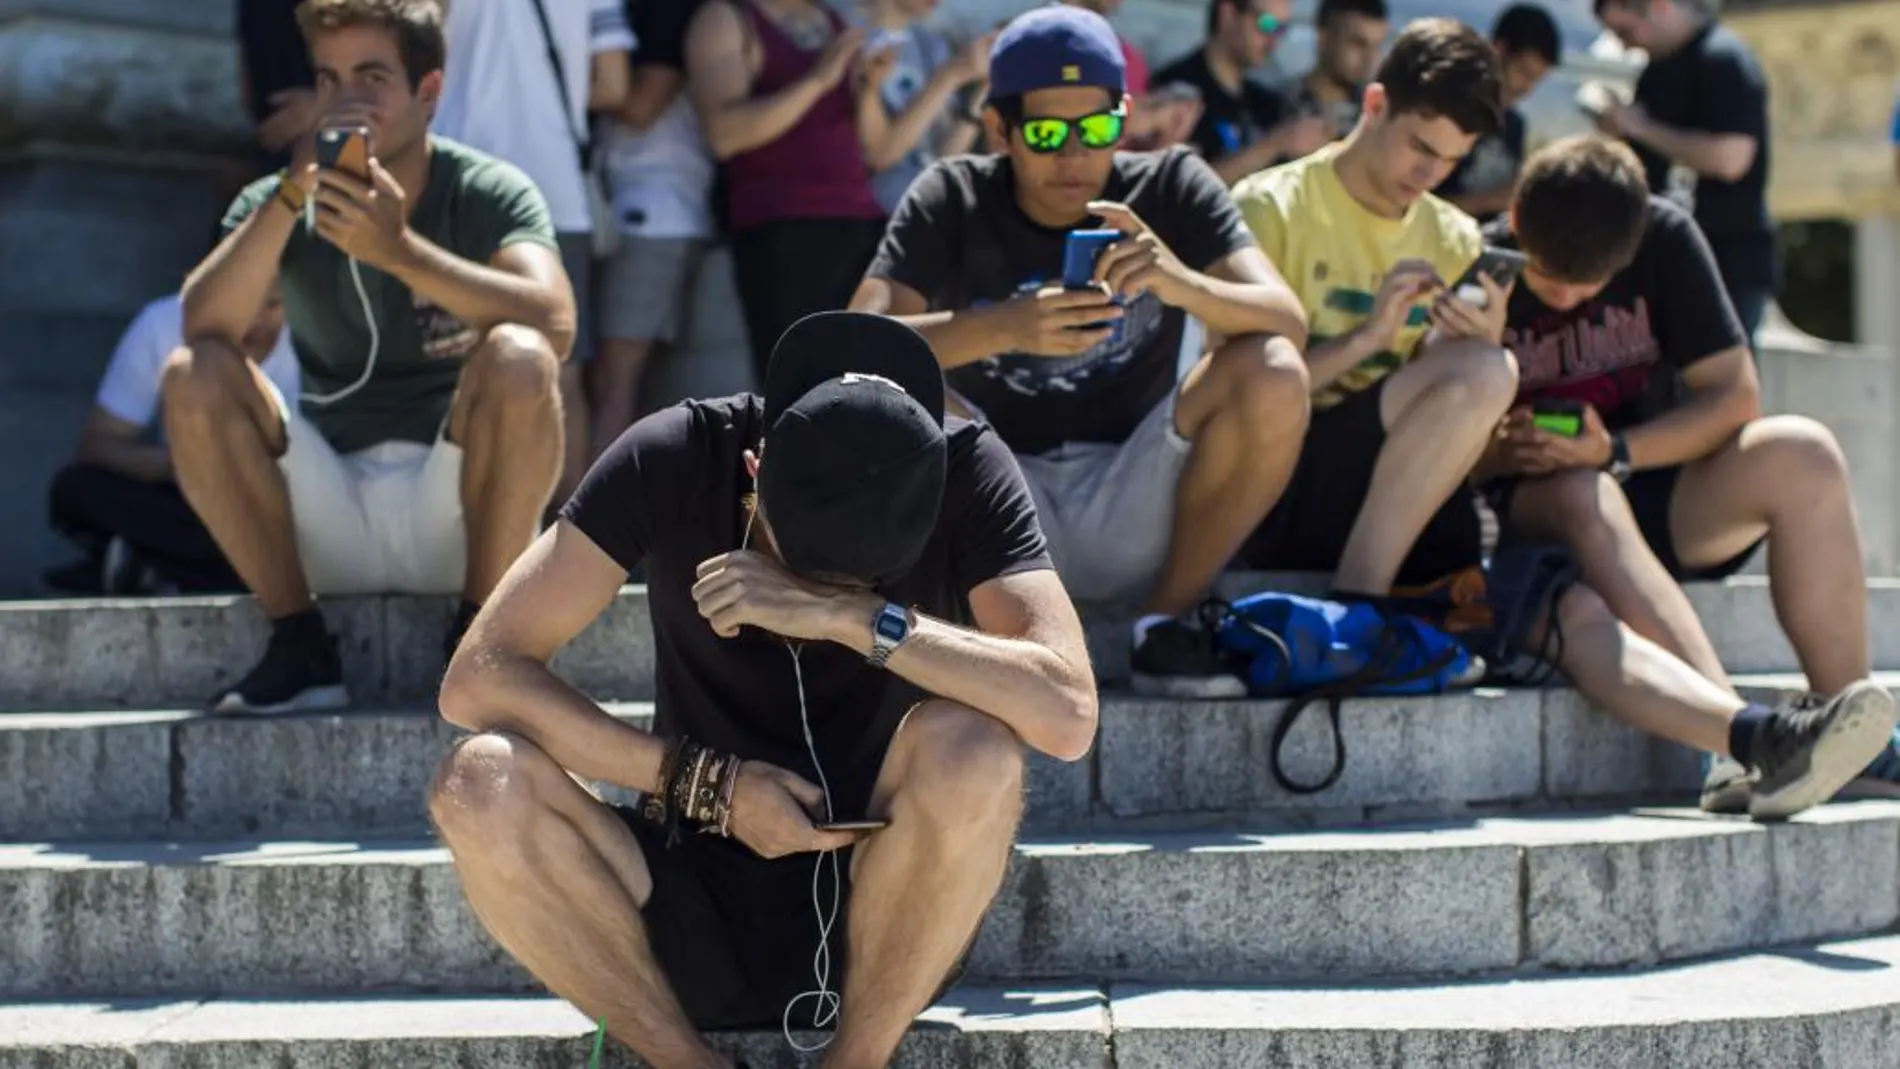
pixel 1271 26
pixel 1098 131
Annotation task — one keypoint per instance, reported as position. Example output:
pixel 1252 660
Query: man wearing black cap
pixel 873 636
pixel 1157 412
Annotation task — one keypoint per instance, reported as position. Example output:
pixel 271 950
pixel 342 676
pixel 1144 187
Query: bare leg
pixel 1784 477
pixel 952 789
pixel 559 881
pixel 1244 407
pixel 1587 512
pixel 1637 681
pixel 574 432
pixel 1439 411
pixel 225 434
pixel 507 419
pixel 614 378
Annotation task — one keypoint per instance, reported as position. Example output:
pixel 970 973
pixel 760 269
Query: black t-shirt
pixel 1714 85
pixel 659 27
pixel 960 240
pixel 275 58
pixel 1493 162
pixel 668 493
pixel 1623 350
pixel 1228 123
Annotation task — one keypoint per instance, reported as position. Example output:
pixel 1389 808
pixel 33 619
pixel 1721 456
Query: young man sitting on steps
pixel 1675 474
pixel 1151 450
pixel 429 314
pixel 854 618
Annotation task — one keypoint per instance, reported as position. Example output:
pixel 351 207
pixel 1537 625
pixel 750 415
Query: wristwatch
pixel 889 628
pixel 1619 463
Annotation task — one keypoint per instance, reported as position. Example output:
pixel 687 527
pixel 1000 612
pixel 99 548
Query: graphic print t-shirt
pixel 1228 123
pixel 960 240
pixel 473 206
pixel 1621 351
pixel 1335 253
pixel 668 493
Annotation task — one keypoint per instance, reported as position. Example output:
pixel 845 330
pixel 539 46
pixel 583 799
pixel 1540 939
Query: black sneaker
pixel 297 672
pixel 1807 751
pixel 1176 659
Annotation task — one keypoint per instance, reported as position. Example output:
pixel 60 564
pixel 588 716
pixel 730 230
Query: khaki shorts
pixel 382 520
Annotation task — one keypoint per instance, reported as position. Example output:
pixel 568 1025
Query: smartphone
pixel 1503 265
pixel 1079 254
pixel 344 148
pixel 1558 415
pixel 854 825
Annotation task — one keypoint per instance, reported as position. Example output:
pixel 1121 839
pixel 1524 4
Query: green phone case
pixel 1568 424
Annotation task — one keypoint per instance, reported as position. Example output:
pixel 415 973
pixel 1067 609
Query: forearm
pixel 224 293
pixel 493 690
pixel 746 124
pixel 1228 308
pixel 958 338
pixel 649 94
pixel 1330 359
pixel 1709 155
pixel 1048 702
pixel 961 138
pixel 482 296
pixel 903 133
pixel 133 459
pixel 1698 428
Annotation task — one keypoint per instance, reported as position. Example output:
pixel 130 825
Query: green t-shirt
pixel 473 206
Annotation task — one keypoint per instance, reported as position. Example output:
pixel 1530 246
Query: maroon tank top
pixel 815 170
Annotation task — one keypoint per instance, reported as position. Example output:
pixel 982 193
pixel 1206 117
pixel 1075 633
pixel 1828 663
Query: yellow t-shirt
pixel 1334 253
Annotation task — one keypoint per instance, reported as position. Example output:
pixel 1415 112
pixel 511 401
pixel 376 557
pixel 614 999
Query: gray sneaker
pixel 1808 751
pixel 1726 785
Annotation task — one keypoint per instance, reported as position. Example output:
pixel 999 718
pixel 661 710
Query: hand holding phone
pixel 1502 266
pixel 1080 253
pixel 344 148
pixel 1561 416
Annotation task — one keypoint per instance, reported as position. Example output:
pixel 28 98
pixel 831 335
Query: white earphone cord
pixel 369 320
pixel 828 1002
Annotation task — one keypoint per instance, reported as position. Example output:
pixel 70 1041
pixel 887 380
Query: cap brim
pixel 826 345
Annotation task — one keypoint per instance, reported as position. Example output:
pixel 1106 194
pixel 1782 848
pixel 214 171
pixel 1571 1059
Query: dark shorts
pixel 1307 530
pixel 577 257
pixel 1650 493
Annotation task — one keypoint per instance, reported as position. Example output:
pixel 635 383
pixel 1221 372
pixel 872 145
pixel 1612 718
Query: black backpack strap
pixel 582 143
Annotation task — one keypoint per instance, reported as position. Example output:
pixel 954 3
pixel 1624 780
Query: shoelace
pixel 1793 724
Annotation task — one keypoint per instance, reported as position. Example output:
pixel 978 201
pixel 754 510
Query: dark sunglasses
pixel 1098 131
pixel 1271 26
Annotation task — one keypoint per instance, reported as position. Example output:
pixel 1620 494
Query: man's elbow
pixel 460 699
pixel 1074 716
pixel 1735 160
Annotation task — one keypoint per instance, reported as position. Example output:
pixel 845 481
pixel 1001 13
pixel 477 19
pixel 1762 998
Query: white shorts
pixel 382 520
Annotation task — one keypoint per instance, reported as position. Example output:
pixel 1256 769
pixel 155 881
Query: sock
pixel 1743 730
pixel 305 628
pixel 1142 625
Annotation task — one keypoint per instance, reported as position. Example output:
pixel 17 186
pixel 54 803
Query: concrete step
pixel 1480 896
pixel 155 653
pixel 1157 762
pixel 972 1027
pixel 1814 1006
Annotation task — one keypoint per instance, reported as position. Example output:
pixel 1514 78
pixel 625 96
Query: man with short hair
pixel 1528 48
pixel 1151 450
pixel 1700 125
pixel 855 620
pixel 1408 379
pixel 1245 125
pixel 1349 35
pixel 429 313
pixel 1675 474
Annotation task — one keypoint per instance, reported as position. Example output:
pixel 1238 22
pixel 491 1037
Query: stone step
pixel 1815 1006
pixel 183 774
pixel 141 653
pixel 1481 896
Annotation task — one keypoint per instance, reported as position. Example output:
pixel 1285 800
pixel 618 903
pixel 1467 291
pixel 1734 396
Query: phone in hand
pixel 1079 255
pixel 344 148
pixel 1561 416
pixel 1502 265
pixel 854 825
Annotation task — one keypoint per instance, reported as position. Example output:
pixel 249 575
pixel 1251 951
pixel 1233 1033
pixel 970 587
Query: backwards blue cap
pixel 1056 46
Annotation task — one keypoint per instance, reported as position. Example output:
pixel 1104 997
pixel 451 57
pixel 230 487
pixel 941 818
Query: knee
pixel 1582 611
pixel 1802 453
pixel 199 379
pixel 963 769
pixel 1570 503
pixel 1482 379
pixel 515 365
pixel 484 791
pixel 1264 379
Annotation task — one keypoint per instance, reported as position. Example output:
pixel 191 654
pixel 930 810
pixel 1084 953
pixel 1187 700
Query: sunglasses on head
pixel 1098 131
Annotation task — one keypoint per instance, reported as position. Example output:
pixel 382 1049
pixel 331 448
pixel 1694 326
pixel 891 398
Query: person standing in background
pixel 523 77
pixel 1700 125
pixel 1244 126
pixel 279 86
pixel 1528 47
pixel 929 91
pixel 1351 34
pixel 659 179
pixel 775 83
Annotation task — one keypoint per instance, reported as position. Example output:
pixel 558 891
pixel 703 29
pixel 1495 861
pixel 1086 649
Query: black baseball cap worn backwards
pixel 852 473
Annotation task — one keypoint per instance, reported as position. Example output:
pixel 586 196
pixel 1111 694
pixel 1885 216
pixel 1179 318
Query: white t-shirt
pixel 129 390
pixel 661 179
pixel 499 93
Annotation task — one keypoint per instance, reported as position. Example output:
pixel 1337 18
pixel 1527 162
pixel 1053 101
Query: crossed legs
pixel 560 882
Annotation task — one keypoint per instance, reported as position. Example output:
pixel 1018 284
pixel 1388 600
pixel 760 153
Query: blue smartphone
pixel 1079 254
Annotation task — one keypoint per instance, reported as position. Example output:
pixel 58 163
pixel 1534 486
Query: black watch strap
pixel 1619 463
